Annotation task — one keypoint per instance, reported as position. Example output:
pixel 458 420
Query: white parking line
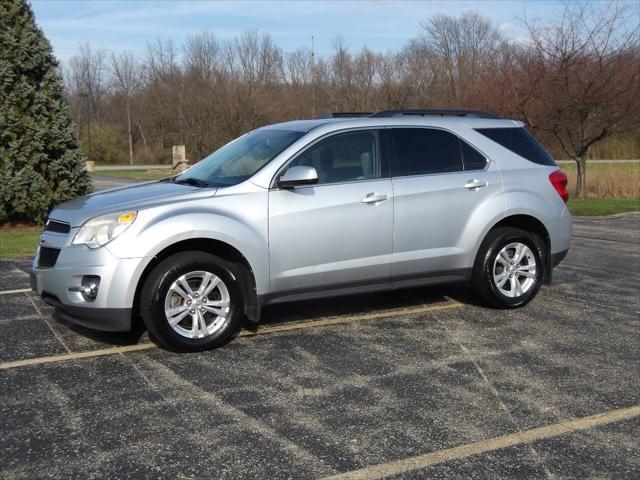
pixel 322 322
pixel 491 444
pixel 11 292
pixel 76 356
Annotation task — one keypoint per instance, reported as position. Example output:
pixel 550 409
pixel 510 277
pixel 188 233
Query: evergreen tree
pixel 41 162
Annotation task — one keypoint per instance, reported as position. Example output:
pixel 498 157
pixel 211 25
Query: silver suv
pixel 310 208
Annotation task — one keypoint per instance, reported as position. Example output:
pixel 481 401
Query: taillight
pixel 559 181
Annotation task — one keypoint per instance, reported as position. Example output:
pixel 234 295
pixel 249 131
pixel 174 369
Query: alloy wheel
pixel 514 270
pixel 197 304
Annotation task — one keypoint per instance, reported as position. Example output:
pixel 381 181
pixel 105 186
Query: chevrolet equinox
pixel 346 204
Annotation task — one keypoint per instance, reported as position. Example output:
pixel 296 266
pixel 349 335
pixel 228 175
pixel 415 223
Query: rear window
pixel 519 141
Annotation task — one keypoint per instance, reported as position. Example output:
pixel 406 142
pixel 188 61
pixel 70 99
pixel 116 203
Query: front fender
pixel 157 229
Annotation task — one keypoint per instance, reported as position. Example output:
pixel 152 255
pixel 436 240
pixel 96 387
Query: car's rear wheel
pixel 192 301
pixel 509 267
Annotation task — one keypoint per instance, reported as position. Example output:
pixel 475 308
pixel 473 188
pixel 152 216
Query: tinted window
pixel 472 159
pixel 344 157
pixel 243 157
pixel 519 141
pixel 421 151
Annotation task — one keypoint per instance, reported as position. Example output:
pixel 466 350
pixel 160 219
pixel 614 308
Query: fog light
pixel 88 288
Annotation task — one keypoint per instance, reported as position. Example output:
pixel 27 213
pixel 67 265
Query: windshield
pixel 240 159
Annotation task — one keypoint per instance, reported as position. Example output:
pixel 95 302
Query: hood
pixel 130 197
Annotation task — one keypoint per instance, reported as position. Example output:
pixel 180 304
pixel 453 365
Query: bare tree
pixel 576 83
pixel 299 67
pixel 259 59
pixel 126 78
pixel 464 45
pixel 87 72
pixel 581 82
pixel 202 56
pixel 163 92
pixel 421 74
pixel 365 68
pixel 271 69
pixel 162 61
pixel 392 80
pixel 341 70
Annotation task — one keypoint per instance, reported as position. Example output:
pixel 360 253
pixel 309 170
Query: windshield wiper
pixel 193 181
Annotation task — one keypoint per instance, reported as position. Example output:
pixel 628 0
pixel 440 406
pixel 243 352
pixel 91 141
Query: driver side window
pixel 345 157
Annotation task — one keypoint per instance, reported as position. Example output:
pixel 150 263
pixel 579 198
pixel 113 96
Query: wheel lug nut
pixel 192 311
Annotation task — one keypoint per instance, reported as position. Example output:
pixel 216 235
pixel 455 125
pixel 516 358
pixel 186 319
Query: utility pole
pixel 180 96
pixel 313 79
pixel 87 97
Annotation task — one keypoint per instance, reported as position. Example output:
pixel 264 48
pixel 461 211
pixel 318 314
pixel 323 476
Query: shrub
pixel 105 145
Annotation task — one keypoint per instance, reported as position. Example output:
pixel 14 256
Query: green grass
pixel 137 174
pixel 603 206
pixel 18 241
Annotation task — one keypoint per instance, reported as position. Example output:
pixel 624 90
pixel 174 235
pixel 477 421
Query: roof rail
pixel 439 112
pixel 347 114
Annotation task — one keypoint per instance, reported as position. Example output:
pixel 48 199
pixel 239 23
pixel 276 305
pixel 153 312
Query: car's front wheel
pixel 509 267
pixel 191 301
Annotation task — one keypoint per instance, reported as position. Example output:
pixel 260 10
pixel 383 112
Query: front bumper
pixel 105 319
pixel 112 307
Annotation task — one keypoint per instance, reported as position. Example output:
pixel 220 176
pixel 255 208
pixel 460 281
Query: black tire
pixel 483 271
pixel 156 288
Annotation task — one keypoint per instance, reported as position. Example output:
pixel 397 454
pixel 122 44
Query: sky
pixel 381 25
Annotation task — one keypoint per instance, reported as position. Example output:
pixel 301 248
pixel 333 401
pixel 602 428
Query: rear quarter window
pixel 521 142
pixel 471 158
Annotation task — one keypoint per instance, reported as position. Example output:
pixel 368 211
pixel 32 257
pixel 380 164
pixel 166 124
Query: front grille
pixel 58 227
pixel 48 257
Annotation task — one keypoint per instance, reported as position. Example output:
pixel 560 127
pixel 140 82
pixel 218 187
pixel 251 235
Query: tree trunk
pixel 129 132
pixel 144 139
pixel 581 163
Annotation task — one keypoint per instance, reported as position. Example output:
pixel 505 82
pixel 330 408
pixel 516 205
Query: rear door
pixel 338 232
pixel 439 181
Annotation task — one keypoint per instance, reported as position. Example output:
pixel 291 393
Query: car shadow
pixel 308 310
pixel 137 334
pixel 349 305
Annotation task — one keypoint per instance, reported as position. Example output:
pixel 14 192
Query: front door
pixel 338 232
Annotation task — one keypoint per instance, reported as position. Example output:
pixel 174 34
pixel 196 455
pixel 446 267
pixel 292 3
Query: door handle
pixel 375 198
pixel 475 184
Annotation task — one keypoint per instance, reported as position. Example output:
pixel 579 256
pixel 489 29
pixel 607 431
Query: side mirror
pixel 298 176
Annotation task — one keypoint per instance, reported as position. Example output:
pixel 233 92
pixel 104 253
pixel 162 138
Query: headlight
pixel 101 230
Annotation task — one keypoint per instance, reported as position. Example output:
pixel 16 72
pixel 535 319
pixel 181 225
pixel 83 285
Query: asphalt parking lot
pixel 416 384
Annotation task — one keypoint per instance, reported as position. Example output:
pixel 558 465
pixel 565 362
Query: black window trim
pixel 392 152
pixel 384 152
